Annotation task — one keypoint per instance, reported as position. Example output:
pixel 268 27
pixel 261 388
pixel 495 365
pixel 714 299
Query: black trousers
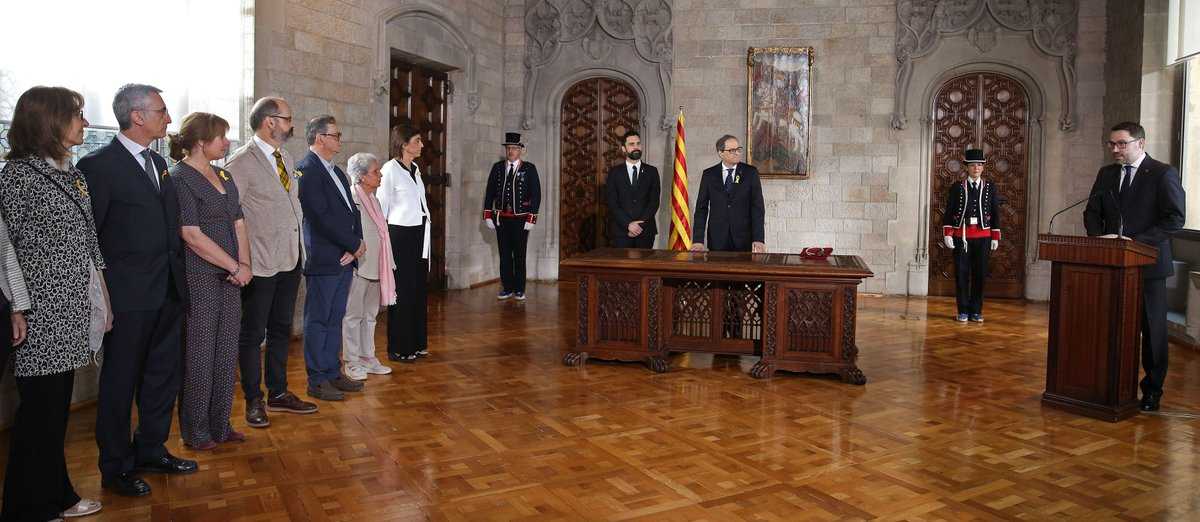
pixel 142 359
pixel 36 484
pixel 406 331
pixel 268 308
pixel 1154 335
pixel 5 333
pixel 622 240
pixel 512 239
pixel 970 271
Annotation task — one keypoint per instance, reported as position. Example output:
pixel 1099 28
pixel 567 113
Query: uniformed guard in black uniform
pixel 971 226
pixel 510 206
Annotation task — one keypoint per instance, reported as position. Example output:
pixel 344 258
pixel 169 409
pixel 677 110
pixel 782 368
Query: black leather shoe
pixel 256 414
pixel 1150 402
pixel 127 485
pixel 168 464
pixel 395 357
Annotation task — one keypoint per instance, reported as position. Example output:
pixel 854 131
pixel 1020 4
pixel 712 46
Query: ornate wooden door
pixel 988 111
pixel 418 98
pixel 595 114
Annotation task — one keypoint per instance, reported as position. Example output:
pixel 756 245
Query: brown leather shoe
pixel 256 415
pixel 290 403
pixel 344 384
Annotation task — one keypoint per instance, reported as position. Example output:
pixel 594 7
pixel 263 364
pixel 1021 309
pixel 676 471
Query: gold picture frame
pixel 779 111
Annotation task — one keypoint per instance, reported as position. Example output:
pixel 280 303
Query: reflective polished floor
pixel 493 427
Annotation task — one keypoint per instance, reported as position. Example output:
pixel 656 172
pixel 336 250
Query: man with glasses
pixel 269 197
pixel 137 221
pixel 333 243
pixel 1143 200
pixel 729 206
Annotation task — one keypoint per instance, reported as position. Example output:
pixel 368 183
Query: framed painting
pixel 778 110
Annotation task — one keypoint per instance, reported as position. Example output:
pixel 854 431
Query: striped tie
pixel 283 177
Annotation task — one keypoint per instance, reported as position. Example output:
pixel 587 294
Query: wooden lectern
pixel 1095 321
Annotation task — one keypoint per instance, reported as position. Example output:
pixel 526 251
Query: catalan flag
pixel 681 227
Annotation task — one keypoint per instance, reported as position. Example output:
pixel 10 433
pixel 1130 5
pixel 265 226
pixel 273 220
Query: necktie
pixel 148 164
pixel 633 179
pixel 1127 178
pixel 728 180
pixel 283 176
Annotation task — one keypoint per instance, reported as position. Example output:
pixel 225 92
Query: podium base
pixel 1088 409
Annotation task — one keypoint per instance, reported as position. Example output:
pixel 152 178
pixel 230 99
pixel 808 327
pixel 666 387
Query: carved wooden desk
pixel 640 305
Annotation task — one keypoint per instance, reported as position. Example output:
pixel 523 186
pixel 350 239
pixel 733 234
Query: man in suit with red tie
pixel 633 192
pixel 729 206
pixel 1149 201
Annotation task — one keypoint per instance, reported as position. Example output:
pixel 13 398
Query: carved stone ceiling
pixel 921 23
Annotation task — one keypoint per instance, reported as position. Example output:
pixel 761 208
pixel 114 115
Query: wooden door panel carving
pixel 418 98
pixel 988 111
pixel 595 113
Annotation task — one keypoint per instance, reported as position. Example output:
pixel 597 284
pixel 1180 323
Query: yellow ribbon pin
pixel 81 187
pixel 221 174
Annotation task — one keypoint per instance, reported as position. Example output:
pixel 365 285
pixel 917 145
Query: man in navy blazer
pixel 633 192
pixel 729 206
pixel 137 221
pixel 333 242
pixel 1149 205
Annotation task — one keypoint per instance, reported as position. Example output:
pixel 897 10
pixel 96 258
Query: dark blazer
pixel 527 191
pixel 737 215
pixel 627 203
pixel 955 217
pixel 1152 208
pixel 331 227
pixel 138 228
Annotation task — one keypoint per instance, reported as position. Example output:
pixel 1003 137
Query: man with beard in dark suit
pixel 729 206
pixel 1149 201
pixel 633 192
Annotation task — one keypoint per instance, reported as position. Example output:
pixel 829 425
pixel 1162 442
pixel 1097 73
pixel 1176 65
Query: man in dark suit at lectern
pixel 633 191
pixel 729 206
pixel 1149 201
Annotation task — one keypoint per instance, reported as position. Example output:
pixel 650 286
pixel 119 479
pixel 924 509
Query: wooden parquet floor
pixel 493 427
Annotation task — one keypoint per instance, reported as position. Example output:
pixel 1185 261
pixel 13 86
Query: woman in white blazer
pixel 401 194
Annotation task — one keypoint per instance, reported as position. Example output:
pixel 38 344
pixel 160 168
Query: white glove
pixel 949 241
pixel 995 244
pixel 490 224
pixel 528 226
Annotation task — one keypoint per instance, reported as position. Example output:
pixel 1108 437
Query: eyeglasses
pixel 735 151
pixel 1119 144
pixel 335 135
pixel 280 116
pixel 162 110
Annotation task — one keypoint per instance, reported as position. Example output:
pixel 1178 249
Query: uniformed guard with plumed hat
pixel 510 206
pixel 971 226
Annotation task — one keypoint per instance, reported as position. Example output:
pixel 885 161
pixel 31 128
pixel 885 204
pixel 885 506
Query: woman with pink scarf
pixel 373 286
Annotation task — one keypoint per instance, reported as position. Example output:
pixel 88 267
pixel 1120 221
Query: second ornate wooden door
pixel 595 114
pixel 988 111
pixel 418 98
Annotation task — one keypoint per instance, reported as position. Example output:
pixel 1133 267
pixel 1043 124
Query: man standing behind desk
pixel 729 206
pixel 1150 206
pixel 137 222
pixel 633 192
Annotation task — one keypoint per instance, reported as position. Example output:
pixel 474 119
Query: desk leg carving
pixel 762 370
pixel 853 375
pixel 575 359
pixel 658 364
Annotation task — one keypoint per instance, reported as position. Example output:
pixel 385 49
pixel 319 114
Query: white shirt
pixel 726 171
pixel 134 148
pixel 267 149
pixel 1136 164
pixel 402 197
pixel 629 169
pixel 336 182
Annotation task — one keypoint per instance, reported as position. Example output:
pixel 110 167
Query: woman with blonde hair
pixel 49 215
pixel 217 265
